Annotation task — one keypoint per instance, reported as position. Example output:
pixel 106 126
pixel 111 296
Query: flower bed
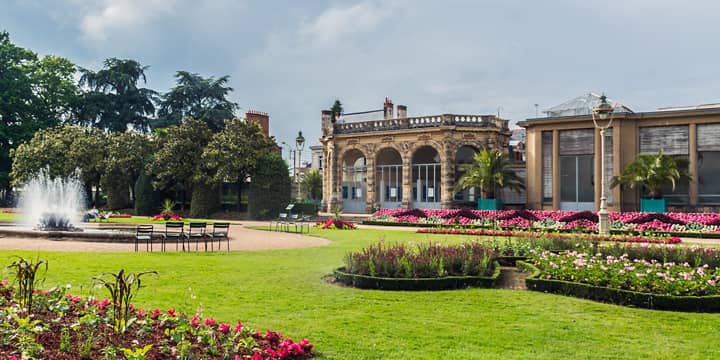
pixel 336 224
pixel 420 284
pixel 167 217
pixel 65 326
pixel 663 277
pixel 120 216
pixel 685 224
pixel 709 303
pixel 579 237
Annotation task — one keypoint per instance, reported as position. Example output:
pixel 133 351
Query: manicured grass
pixel 8 216
pixel 284 290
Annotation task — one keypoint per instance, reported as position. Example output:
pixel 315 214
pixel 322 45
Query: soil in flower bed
pixel 67 327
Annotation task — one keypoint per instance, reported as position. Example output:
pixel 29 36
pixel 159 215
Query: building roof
pixel 582 105
pixel 517 136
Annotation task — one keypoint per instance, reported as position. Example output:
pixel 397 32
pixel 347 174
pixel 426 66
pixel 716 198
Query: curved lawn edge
pixel 421 284
pixel 706 304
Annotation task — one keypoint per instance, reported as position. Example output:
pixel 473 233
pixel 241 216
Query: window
pixel 673 141
pixel 708 171
pixel 547 158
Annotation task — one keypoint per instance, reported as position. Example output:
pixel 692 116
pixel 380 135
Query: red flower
pixel 224 328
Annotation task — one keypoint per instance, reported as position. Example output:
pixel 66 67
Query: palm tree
pixel 312 185
pixel 651 171
pixel 489 170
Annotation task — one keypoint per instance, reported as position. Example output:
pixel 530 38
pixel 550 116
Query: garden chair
pixel 279 222
pixel 220 232
pixel 175 231
pixel 197 232
pixel 294 221
pixel 144 233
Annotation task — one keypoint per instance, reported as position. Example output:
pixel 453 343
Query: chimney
pixel 388 107
pixel 326 121
pixel 261 118
pixel 402 111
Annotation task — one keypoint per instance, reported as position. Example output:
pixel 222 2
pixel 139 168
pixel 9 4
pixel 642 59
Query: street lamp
pixel 299 146
pixel 602 116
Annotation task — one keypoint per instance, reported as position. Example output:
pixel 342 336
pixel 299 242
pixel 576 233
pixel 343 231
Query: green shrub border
pixel 421 284
pixel 706 304
pixel 511 228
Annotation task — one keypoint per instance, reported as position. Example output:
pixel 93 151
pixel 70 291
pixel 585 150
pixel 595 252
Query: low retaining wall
pixel 619 296
pixel 90 236
pixel 444 283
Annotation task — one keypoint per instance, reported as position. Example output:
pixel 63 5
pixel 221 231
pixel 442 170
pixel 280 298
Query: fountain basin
pixel 89 235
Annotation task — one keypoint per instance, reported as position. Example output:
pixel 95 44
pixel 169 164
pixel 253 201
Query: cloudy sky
pixel 293 58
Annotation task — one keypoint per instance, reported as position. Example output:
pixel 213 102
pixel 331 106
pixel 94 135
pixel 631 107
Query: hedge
pixel 619 296
pixel 306 209
pixel 421 284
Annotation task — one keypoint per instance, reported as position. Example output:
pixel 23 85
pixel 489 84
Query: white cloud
pixel 338 23
pixel 121 15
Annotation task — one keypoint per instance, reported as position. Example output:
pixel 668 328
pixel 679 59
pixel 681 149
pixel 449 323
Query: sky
pixel 294 58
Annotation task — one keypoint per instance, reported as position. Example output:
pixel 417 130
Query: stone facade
pixel 402 161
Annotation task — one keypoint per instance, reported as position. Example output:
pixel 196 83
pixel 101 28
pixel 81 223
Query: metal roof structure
pixel 582 105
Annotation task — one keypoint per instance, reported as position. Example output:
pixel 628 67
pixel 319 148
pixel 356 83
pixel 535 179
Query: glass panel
pixel 568 189
pixel 682 188
pixel 586 178
pixel 708 175
pixel 547 144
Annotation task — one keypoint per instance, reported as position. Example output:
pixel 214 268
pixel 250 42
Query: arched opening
pixel 464 156
pixel 389 178
pixel 426 177
pixel 354 182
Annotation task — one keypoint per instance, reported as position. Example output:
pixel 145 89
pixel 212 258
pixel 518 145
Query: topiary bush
pixel 269 188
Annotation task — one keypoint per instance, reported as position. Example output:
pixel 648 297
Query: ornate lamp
pixel 602 116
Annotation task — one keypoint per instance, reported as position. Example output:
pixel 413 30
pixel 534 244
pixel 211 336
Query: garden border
pixel 416 284
pixel 513 228
pixel 706 304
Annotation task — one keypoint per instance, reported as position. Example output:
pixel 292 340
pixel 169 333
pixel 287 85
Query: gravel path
pixel 241 238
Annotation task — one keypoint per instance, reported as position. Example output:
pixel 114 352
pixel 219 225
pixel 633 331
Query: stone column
pixel 597 164
pixel 370 182
pixel 556 170
pixel 407 180
pixel 335 168
pixel 447 179
pixel 693 165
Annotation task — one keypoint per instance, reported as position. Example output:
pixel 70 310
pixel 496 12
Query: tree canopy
pixel 489 170
pixel 197 97
pixel 35 93
pixel 112 100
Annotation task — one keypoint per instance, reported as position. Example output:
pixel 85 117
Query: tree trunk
pixel 239 196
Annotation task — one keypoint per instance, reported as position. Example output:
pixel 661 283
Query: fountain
pixel 52 204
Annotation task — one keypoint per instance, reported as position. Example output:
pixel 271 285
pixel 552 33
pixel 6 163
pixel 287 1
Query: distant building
pixel 563 154
pixel 377 158
pixel 316 161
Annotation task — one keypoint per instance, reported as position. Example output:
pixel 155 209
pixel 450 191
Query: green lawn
pixel 283 290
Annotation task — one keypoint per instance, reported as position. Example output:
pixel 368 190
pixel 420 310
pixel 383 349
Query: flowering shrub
pixel 422 261
pixel 575 237
pixel 568 220
pixel 66 326
pixel 336 224
pixel 167 217
pixel 623 272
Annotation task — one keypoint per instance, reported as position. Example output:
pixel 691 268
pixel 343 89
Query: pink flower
pixel 224 328
pixel 239 327
pixel 155 313
pixel 171 312
pixel 195 321
pixel 210 322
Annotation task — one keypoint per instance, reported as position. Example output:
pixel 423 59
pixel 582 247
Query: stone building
pixel 563 155
pixel 379 159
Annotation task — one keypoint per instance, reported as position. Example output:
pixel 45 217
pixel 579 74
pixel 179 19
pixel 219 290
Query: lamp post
pixel 602 116
pixel 299 146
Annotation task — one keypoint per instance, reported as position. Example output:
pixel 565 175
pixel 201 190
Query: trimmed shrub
pixel 205 200
pixel 305 209
pixel 147 200
pixel 270 188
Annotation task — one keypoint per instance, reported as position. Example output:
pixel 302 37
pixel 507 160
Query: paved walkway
pixel 241 238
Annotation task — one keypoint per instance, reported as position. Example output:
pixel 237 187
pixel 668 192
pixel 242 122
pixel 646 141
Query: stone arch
pixel 389 176
pixel 426 176
pixel 353 179
pixel 464 154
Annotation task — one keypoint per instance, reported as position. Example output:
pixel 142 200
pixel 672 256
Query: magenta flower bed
pixel 579 237
pixel 554 220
